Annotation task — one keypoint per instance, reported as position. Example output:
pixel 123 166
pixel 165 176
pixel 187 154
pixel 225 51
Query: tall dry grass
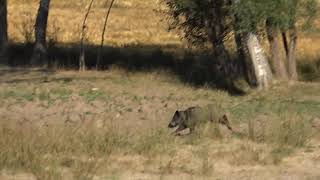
pixel 45 153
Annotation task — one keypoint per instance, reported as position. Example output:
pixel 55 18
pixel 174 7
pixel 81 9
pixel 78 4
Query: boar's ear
pixel 177 113
pixel 225 121
pixel 225 117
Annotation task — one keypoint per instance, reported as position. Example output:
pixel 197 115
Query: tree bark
pixel 243 63
pixel 39 56
pixel 292 63
pixel 263 74
pixel 3 32
pixel 277 62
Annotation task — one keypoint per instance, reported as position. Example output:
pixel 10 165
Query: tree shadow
pixel 309 69
pixel 191 68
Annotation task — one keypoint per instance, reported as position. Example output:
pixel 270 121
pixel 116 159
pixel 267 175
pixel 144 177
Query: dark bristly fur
pixel 194 116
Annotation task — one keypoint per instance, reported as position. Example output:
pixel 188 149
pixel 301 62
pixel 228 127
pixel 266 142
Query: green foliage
pixel 283 14
pixel 192 17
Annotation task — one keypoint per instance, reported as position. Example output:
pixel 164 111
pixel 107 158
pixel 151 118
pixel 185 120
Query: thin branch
pixel 82 50
pixel 103 33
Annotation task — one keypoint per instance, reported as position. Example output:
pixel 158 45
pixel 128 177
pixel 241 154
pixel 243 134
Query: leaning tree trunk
pixel 244 62
pixel 292 62
pixel 3 31
pixel 277 62
pixel 39 56
pixel 262 71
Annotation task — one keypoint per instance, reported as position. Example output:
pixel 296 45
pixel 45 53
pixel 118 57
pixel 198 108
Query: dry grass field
pixel 113 125
pixel 110 125
pixel 131 22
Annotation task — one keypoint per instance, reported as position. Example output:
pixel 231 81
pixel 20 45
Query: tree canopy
pixel 283 14
pixel 191 16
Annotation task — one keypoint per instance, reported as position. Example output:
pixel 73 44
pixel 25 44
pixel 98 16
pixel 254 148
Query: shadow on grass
pixel 190 68
pixel 309 70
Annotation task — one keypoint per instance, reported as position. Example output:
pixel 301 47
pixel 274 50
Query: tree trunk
pixel 243 63
pixel 216 36
pixel 3 32
pixel 103 33
pixel 277 62
pixel 285 42
pixel 39 56
pixel 82 58
pixel 263 74
pixel 292 63
pixel 241 52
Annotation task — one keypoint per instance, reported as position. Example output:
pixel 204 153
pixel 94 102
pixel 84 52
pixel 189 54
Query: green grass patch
pixel 17 95
pixel 90 95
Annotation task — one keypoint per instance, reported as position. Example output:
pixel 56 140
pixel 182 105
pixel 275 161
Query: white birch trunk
pixel 262 71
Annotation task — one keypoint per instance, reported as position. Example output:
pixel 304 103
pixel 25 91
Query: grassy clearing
pixel 113 125
pixel 85 153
